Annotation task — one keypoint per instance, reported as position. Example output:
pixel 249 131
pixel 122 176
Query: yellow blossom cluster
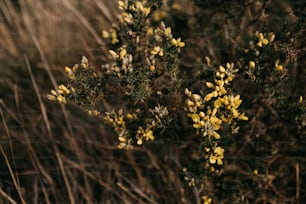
pixel 225 106
pixel 152 44
pixel 112 33
pixel 263 57
pixel 122 62
pixel 128 137
pixel 142 49
pixel 93 112
pixel 117 121
pixel 142 134
pixel 139 51
pixel 265 41
pixel 163 32
pixel 157 50
pixel 217 107
pixel 82 82
pixel 137 7
pixel 217 156
pixel 162 36
pixel 59 94
pixel 206 200
pixel 71 71
pixel 261 39
pixel 133 13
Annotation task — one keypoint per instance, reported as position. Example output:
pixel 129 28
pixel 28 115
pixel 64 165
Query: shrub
pixel 195 102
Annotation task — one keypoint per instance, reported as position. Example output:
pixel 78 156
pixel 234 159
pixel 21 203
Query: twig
pixel 7 197
pixel 298 182
pixel 17 186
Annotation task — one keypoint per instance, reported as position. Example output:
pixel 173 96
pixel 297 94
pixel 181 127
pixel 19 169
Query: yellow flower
pixel 207 59
pixel 243 117
pixel 120 121
pixel 261 39
pixel 150 31
pixel 278 67
pixel 113 54
pixel 152 68
pixel 168 32
pixel 177 42
pixel 139 5
pixel 53 92
pixel 180 43
pixel 218 103
pixel 190 103
pixel 148 135
pixel 105 34
pixel 219 151
pixel 235 113
pixel 122 139
pixel 217 156
pixel 93 112
pixel 206 200
pixel 197 125
pixel 195 117
pixel 173 42
pixel 157 50
pixel 146 11
pixel 301 99
pixel 265 41
pixel 139 141
pixel 235 101
pixel 252 64
pixel 68 70
pixel 122 5
pixel 187 92
pixel 114 36
pixel 122 53
pixel 129 116
pixel 161 53
pixel 61 99
pixel 215 122
pixel 211 95
pixel 51 97
pixel 75 67
pixel 221 69
pixel 202 114
pixel 215 135
pixel 63 89
pixel 196 97
pixel 84 62
pixel 210 85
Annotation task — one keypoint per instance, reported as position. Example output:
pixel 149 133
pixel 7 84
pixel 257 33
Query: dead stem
pixel 13 177
pixel 47 123
pixel 7 197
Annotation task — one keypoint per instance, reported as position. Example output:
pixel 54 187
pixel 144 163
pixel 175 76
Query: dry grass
pixel 55 154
